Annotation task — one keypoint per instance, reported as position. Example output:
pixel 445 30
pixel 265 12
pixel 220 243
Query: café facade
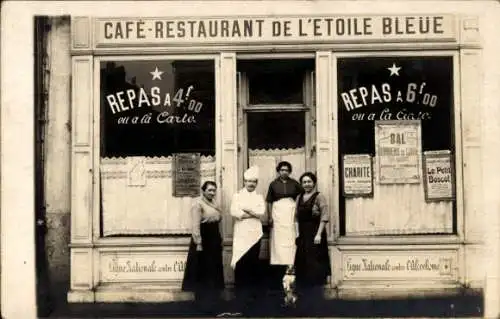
pixel 382 107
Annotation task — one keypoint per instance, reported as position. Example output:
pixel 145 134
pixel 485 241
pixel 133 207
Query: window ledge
pixel 399 240
pixel 135 241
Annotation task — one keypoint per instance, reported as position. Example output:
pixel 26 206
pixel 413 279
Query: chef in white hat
pixel 247 208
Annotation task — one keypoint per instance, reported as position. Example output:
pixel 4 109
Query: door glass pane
pixel 271 130
pixel 275 137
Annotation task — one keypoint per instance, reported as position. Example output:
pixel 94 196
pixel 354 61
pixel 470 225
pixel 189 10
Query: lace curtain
pixel 397 210
pixel 267 159
pixel 136 194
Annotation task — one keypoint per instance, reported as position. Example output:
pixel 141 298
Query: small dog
pixel 289 287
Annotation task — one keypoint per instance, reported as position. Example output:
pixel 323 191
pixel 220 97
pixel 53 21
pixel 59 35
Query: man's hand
pixel 250 213
pixel 245 216
pixel 199 247
pixel 317 239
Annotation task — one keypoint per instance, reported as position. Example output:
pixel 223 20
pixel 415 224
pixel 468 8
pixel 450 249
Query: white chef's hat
pixel 252 173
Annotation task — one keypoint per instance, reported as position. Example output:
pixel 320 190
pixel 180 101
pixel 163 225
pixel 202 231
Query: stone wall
pixel 57 155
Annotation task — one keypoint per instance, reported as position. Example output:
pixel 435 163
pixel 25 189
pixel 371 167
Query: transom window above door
pixel 274 82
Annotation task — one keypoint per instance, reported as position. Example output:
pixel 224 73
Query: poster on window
pixel 398 151
pixel 438 176
pixel 186 178
pixel 136 171
pixel 357 175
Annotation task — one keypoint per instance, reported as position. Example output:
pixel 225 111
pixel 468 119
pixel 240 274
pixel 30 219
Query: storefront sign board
pixel 400 265
pixel 139 267
pixel 276 29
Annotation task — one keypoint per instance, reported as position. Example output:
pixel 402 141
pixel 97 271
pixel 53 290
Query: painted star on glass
pixel 156 74
pixel 394 69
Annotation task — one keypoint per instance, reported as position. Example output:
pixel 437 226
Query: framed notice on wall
pixel 398 151
pixel 357 175
pixel 186 175
pixel 439 179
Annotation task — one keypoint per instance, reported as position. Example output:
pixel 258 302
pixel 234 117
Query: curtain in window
pixel 267 160
pixel 137 196
pixel 397 210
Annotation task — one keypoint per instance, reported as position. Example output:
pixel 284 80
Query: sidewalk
pixel 461 306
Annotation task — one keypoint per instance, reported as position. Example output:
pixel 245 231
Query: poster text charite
pixel 130 31
pixel 357 175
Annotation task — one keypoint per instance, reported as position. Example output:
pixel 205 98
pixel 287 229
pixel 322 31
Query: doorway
pixel 276 120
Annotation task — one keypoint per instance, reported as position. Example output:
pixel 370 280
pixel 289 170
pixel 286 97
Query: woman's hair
pixel 284 163
pixel 311 175
pixel 205 185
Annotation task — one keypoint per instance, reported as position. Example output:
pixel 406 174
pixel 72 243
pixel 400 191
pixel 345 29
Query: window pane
pixel 149 111
pixel 157 114
pixel 397 89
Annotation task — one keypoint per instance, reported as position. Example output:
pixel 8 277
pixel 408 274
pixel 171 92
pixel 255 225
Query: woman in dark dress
pixel 312 262
pixel 204 272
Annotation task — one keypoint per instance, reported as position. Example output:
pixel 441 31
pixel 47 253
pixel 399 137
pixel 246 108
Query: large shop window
pixel 157 119
pixel 396 145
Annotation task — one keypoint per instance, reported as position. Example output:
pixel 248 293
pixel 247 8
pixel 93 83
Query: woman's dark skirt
pixel 312 262
pixel 204 270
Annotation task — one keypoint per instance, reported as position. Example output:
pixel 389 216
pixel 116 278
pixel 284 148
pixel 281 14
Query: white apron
pixel 282 239
pixel 247 233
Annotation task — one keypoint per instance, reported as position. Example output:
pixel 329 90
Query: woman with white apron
pixel 247 207
pixel 280 199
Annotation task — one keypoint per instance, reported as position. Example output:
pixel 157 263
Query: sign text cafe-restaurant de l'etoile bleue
pixel 262 28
